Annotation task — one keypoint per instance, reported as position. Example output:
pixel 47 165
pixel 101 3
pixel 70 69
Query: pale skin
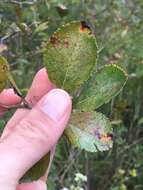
pixel 30 134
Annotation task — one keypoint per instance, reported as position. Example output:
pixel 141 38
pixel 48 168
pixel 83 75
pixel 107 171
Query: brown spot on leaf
pixel 110 135
pixel 4 68
pixel 85 27
pixel 97 134
pixel 66 44
pixel 54 40
pixel 106 138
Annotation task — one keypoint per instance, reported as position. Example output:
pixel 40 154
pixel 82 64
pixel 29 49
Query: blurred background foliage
pixel 118 25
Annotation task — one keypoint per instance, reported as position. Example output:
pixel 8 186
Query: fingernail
pixel 55 104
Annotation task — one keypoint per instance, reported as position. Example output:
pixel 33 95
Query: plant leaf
pixel 90 131
pixel 4 69
pixel 38 169
pixel 71 55
pixel 5 76
pixel 41 27
pixel 41 168
pixel 101 87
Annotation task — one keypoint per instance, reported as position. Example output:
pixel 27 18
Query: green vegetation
pixel 26 26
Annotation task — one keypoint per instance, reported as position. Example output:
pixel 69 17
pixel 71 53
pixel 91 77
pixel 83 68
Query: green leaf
pixel 38 170
pixel 2 125
pixel 90 131
pixel 41 168
pixel 101 87
pixel 6 76
pixel 139 70
pixel 70 55
pixel 4 68
pixel 41 27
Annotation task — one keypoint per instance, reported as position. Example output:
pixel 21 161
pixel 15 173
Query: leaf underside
pixel 90 131
pixel 37 170
pixel 70 56
pixel 101 87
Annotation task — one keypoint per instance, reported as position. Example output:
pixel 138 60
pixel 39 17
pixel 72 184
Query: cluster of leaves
pixel 72 48
pixel 70 57
pixel 75 48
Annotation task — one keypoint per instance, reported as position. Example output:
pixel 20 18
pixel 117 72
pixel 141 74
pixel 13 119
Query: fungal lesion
pixel 84 27
pixel 54 40
pixel 4 68
pixel 66 43
pixel 105 138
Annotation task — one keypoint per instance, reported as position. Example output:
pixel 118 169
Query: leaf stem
pixel 18 92
pixel 23 105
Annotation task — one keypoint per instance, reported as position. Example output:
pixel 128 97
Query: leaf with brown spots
pixel 4 69
pixel 70 55
pixel 91 131
pixel 5 77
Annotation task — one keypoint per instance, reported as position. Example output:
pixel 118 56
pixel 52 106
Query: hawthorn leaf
pixel 70 55
pixel 91 131
pixel 41 27
pixel 37 170
pixel 41 168
pixel 5 76
pixel 4 69
pixel 101 87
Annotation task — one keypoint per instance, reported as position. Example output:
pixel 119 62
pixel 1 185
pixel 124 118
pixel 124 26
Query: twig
pixel 5 38
pixel 21 3
pixel 72 161
pixel 131 145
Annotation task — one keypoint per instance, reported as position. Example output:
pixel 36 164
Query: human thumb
pixel 35 185
pixel 35 135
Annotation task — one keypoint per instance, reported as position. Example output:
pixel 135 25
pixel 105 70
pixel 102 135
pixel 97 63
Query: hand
pixel 30 134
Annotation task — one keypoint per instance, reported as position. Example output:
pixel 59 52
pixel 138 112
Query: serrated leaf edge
pixel 67 24
pixel 91 36
pixel 110 65
pixel 95 146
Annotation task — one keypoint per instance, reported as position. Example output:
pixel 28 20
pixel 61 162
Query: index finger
pixel 8 98
pixel 40 86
